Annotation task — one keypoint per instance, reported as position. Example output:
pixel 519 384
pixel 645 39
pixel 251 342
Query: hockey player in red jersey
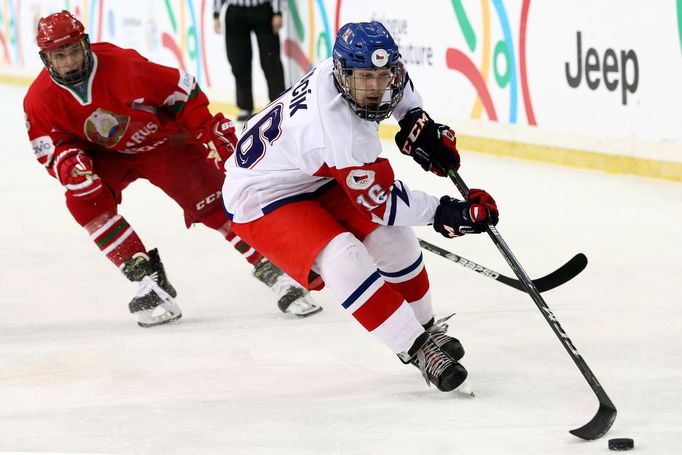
pixel 310 159
pixel 100 117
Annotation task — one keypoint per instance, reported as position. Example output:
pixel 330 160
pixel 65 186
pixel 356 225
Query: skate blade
pixel 303 309
pixel 465 388
pixel 159 321
pixel 170 312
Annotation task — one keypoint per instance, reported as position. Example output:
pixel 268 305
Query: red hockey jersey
pixel 127 105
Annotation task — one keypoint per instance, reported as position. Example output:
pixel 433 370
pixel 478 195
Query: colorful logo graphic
pixel 185 40
pixel 319 45
pixel 512 77
pixel 190 34
pixel 503 53
pixel 180 27
pixel 105 128
pixel 10 38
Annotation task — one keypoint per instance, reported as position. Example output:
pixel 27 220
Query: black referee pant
pixel 240 21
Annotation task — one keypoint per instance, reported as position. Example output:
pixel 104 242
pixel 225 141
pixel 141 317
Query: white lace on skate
pixel 440 326
pixel 438 331
pixel 431 361
pixel 296 299
pixel 167 311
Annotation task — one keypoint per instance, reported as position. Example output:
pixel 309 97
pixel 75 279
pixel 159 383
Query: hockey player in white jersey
pixel 307 188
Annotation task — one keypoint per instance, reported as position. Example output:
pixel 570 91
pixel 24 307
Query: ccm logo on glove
pixel 415 132
pixel 432 145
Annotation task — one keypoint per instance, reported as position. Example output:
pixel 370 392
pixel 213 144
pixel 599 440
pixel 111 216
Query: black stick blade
pixel 600 423
pixel 563 274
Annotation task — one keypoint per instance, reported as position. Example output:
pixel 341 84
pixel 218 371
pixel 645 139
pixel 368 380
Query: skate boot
pixel 449 345
pixel 154 304
pixel 436 367
pixel 292 297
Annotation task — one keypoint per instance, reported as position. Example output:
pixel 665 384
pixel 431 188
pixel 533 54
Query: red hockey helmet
pixel 57 31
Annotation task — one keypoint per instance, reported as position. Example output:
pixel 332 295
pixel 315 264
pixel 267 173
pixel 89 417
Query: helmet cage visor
pixel 373 93
pixel 52 61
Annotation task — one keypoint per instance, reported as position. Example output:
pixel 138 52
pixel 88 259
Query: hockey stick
pixel 565 273
pixel 606 414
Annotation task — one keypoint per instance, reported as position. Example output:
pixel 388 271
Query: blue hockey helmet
pixel 367 69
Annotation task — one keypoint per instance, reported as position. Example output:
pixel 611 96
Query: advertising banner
pixel 595 76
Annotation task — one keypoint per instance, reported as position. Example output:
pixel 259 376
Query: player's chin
pixel 71 73
pixel 372 104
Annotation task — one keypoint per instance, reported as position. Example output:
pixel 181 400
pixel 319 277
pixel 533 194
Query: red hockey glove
pixel 74 170
pixel 454 217
pixel 219 138
pixel 432 145
pixel 477 196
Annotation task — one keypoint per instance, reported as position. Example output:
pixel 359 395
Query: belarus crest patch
pixel 105 128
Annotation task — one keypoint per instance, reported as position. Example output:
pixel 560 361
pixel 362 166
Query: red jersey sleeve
pixel 378 195
pixel 46 141
pixel 369 185
pixel 171 89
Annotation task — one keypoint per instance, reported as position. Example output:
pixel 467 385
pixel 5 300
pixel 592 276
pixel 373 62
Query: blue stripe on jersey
pixel 408 80
pixel 298 197
pixel 406 270
pixel 228 214
pixel 391 216
pixel 362 288
pixel 397 192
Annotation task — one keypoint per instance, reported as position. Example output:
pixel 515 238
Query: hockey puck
pixel 621 444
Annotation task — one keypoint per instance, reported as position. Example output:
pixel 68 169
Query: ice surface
pixel 236 376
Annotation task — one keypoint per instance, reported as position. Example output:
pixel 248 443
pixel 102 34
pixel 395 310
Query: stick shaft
pixel 549 316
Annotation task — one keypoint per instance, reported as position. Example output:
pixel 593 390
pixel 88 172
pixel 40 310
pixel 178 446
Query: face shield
pixel 372 93
pixel 70 64
pixel 367 69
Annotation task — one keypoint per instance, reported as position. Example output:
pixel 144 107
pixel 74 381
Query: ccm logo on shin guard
pixel 209 200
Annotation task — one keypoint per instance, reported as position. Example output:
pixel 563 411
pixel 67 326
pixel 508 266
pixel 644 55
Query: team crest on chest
pixel 105 128
pixel 360 179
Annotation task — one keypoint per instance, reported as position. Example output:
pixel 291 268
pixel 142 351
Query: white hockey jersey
pixel 309 138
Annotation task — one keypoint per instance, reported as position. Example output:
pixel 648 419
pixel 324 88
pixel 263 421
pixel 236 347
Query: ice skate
pixel 292 297
pixel 449 345
pixel 436 367
pixel 154 304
